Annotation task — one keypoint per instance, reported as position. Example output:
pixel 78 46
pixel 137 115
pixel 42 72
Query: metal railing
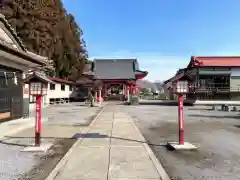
pixel 215 89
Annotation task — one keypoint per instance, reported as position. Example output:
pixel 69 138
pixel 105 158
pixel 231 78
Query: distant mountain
pixel 147 84
pixel 159 85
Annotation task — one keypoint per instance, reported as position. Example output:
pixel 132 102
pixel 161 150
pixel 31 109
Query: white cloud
pixel 158 66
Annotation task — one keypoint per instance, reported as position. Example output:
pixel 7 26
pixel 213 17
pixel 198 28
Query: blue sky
pixel 161 34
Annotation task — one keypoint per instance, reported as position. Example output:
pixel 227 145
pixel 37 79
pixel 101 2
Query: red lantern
pixel 180 87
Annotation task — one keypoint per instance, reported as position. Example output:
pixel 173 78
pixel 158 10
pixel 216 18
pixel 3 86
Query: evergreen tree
pixel 47 29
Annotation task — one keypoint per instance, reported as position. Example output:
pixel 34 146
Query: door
pixel 16 95
pixel 5 97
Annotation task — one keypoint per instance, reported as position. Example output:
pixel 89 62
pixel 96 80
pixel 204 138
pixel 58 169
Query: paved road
pixel 216 132
pixel 64 122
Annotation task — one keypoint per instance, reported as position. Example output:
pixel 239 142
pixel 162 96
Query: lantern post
pixel 38 89
pixel 181 118
pixel 181 87
pixel 38 85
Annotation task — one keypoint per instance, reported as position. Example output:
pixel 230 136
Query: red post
pixel 125 92
pixel 38 120
pixel 131 89
pixel 180 119
pixel 134 90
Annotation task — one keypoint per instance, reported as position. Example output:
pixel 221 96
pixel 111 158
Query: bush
pixel 134 99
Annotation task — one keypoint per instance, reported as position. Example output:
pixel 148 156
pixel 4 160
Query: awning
pixel 175 78
pixel 140 74
pixel 38 76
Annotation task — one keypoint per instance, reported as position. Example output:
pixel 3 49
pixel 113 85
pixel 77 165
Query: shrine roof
pixel 39 76
pixel 114 68
pixel 214 61
pixel 59 80
pixel 175 78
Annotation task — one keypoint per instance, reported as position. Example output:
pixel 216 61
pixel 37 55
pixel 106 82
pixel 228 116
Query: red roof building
pixel 213 77
pixel 214 61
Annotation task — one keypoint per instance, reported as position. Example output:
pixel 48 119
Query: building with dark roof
pixel 117 69
pixel 102 72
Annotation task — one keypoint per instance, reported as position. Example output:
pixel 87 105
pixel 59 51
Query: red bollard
pixel 181 119
pixel 38 120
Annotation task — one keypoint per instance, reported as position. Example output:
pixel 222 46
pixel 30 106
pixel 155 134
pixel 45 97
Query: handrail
pixel 215 89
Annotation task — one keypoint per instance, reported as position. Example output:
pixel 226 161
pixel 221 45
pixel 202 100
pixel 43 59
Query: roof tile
pixel 59 80
pixel 219 61
pixel 114 68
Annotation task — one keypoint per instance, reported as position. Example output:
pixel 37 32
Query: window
pixel 202 83
pixel 62 87
pixel 52 86
pixel 70 87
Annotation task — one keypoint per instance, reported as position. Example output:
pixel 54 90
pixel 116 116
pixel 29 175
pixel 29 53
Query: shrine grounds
pixel 217 134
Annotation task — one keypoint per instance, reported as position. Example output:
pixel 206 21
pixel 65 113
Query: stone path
pixel 111 149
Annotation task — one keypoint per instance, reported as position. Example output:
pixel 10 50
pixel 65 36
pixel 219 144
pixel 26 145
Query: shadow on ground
pixel 200 109
pixel 215 116
pixel 164 103
pixel 75 136
pixel 236 126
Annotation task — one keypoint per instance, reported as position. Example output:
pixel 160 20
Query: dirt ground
pixel 47 162
pixel 60 130
pixel 217 134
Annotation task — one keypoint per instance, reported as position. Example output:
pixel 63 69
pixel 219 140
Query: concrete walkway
pixel 111 149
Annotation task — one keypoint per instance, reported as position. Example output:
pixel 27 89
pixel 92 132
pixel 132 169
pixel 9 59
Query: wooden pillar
pixel 138 91
pixel 96 98
pixel 123 92
pixel 128 93
pixel 105 90
pixel 100 99
pixel 134 90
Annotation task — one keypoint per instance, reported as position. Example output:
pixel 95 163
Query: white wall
pixel 58 93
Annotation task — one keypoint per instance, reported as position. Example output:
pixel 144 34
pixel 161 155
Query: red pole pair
pixel 180 119
pixel 38 120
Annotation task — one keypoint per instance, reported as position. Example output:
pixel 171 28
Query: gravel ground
pixel 15 164
pixel 216 132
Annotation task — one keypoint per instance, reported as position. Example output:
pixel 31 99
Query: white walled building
pixel 61 89
pixel 58 90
